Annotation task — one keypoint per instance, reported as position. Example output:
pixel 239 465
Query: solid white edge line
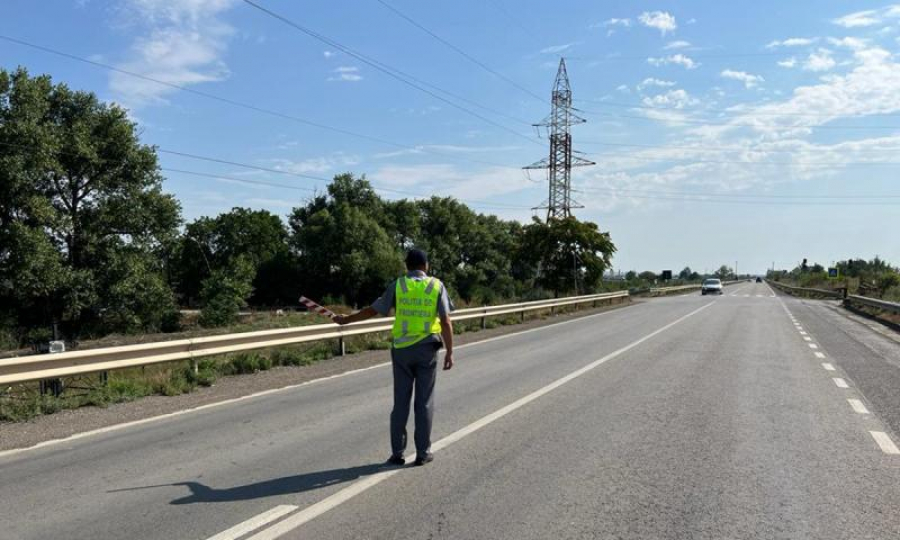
pixel 827 366
pixel 885 443
pixel 311 512
pixel 858 406
pixel 840 383
pixel 819 354
pixel 254 523
pixel 124 425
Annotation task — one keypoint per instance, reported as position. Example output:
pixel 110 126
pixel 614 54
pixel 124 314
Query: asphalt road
pixel 683 417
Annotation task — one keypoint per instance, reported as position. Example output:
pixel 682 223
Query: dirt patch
pixel 69 422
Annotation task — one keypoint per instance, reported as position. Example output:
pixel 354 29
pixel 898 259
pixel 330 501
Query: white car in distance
pixel 711 286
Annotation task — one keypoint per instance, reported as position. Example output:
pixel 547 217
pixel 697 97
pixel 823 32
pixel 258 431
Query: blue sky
pixel 785 116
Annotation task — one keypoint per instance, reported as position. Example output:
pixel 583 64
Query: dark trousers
pixel 415 368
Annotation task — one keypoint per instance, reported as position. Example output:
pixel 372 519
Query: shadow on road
pixel 201 493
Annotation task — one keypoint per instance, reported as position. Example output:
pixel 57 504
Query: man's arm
pixel 447 336
pixel 361 315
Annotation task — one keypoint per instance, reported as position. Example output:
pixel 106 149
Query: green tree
pixel 686 273
pixel 225 292
pixel 342 248
pixel 724 272
pixel 210 244
pixel 80 195
pixel 568 255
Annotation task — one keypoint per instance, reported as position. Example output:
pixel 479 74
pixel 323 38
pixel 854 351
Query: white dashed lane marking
pixel 840 383
pixel 807 338
pixel 813 346
pixel 827 366
pixel 255 522
pixel 858 406
pixel 819 355
pixel 885 443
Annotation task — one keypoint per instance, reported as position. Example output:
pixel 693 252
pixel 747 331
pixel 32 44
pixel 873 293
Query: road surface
pixel 746 415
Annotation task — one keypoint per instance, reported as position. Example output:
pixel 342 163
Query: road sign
pixel 832 273
pixel 666 275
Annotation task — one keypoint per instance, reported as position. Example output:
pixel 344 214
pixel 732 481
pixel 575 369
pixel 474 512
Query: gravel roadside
pixel 73 421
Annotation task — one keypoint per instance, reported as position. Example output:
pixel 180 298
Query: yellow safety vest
pixel 416 313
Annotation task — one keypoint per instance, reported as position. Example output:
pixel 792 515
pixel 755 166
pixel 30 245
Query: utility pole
pixel 559 203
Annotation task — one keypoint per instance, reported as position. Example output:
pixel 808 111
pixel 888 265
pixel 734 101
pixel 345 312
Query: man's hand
pixel 448 360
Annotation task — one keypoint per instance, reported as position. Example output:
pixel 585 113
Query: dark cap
pixel 416 258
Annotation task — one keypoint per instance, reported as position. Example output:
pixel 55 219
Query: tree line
pixel 91 244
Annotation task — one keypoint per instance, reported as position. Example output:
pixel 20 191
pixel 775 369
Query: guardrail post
pixel 342 347
pixel 522 314
pixel 195 366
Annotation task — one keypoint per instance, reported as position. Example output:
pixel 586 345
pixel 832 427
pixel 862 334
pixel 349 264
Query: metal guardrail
pixel 50 366
pixel 663 291
pixel 806 291
pixel 853 300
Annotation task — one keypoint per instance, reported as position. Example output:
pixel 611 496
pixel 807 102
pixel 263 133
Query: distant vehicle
pixel 711 286
pixel 758 279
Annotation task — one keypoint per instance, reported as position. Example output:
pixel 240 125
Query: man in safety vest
pixel 421 327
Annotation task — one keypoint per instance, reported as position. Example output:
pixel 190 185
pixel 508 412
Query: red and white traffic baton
pixel 312 306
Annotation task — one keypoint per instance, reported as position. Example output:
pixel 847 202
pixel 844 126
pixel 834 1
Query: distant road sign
pixel 832 273
pixel 666 275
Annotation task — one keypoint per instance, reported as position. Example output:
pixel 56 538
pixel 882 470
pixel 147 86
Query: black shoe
pixel 396 460
pixel 422 460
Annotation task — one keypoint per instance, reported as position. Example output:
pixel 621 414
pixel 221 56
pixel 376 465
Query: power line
pixel 712 110
pixel 690 161
pixel 395 73
pixel 480 202
pixel 461 52
pixel 496 5
pixel 643 58
pixel 477 204
pixel 740 195
pixel 244 105
pixel 726 124
pixel 706 148
pixel 701 199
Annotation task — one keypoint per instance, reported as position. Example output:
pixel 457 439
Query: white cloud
pixel 732 158
pixel 678 59
pixel 449 180
pixel 661 20
pixel 346 73
pixel 748 79
pixel 328 54
pixel 315 165
pixel 868 17
pixel 625 23
pixel 788 62
pixel 791 42
pixel 651 81
pixel 181 43
pixel 623 88
pixel 612 24
pixel 679 44
pixel 675 99
pixel 556 49
pixel 872 87
pixel 852 43
pixel 820 60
